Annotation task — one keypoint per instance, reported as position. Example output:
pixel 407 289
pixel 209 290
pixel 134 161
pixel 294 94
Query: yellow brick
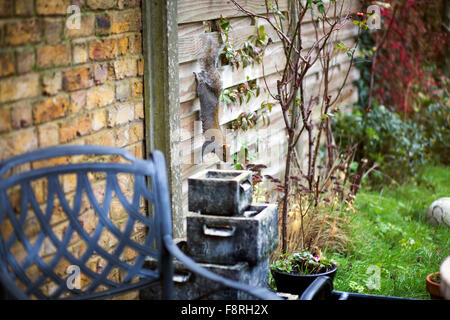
pixel 7 64
pixel 19 87
pixel 87 27
pixel 123 136
pixel 136 132
pixel 128 254
pixel 56 55
pixel 17 143
pixel 49 109
pixel 23 32
pixel 76 79
pixel 120 115
pixel 125 21
pixel 76 127
pixel 54 7
pixel 80 53
pixel 107 240
pixel 103 49
pixel 125 68
pixel 69 182
pixel 101 4
pixel 105 138
pixel 50 162
pixel 77 101
pixel 137 88
pixel 21 115
pixel 123 45
pixel 98 120
pixel 139 150
pixel 100 96
pixel 5 119
pixel 48 135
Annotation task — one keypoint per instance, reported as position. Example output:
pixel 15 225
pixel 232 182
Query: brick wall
pixel 71 86
pixel 77 86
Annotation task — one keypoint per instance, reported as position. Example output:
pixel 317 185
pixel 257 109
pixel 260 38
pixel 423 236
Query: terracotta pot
pixel 434 288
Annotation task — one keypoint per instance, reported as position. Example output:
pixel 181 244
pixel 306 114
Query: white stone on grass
pixel 439 212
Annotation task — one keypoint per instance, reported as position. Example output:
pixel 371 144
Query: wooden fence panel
pixel 267 144
pixel 202 10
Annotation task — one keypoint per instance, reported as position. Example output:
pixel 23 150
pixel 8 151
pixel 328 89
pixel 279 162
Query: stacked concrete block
pixel 235 242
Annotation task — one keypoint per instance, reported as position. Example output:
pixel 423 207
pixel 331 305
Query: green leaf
pixel 321 8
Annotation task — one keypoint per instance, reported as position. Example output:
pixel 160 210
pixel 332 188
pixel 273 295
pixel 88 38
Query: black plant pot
pixel 297 283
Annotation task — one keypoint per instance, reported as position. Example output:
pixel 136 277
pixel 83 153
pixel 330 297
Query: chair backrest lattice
pixel 105 255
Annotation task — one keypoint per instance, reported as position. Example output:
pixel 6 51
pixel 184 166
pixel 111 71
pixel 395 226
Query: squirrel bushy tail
pixel 209 63
pixel 209 89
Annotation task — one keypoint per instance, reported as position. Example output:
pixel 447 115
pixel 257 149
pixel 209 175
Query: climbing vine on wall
pixel 252 51
pixel 248 120
pixel 242 92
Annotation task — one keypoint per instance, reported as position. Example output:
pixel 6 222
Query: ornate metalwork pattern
pixel 140 170
pixel 149 185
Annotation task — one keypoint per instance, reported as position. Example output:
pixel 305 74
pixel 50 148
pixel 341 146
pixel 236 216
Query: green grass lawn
pixel 391 238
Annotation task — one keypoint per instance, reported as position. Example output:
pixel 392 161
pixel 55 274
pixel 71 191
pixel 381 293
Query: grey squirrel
pixel 209 89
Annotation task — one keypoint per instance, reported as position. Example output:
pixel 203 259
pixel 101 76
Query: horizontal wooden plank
pixel 202 10
pixel 348 31
pixel 311 88
pixel 188 107
pixel 235 139
pixel 191 45
pixel 231 77
pixel 192 29
pixel 197 28
pixel 196 139
pixel 339 8
pixel 274 163
pixel 197 168
pixel 349 95
pixel 191 40
pixel 187 125
pixel 191 148
pixel 273 61
pixel 229 113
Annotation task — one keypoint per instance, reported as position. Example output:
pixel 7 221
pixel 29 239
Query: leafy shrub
pixel 415 39
pixel 434 119
pixel 395 145
pixel 408 79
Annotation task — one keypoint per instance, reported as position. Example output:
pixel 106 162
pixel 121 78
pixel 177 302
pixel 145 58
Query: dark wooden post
pixel 161 81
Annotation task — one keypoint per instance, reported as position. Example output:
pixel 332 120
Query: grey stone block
pixel 229 240
pixel 189 286
pixel 220 192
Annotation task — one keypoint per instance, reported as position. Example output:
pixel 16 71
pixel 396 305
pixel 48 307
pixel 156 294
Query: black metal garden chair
pixel 149 182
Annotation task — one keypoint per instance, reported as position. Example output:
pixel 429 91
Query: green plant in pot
pixel 294 272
